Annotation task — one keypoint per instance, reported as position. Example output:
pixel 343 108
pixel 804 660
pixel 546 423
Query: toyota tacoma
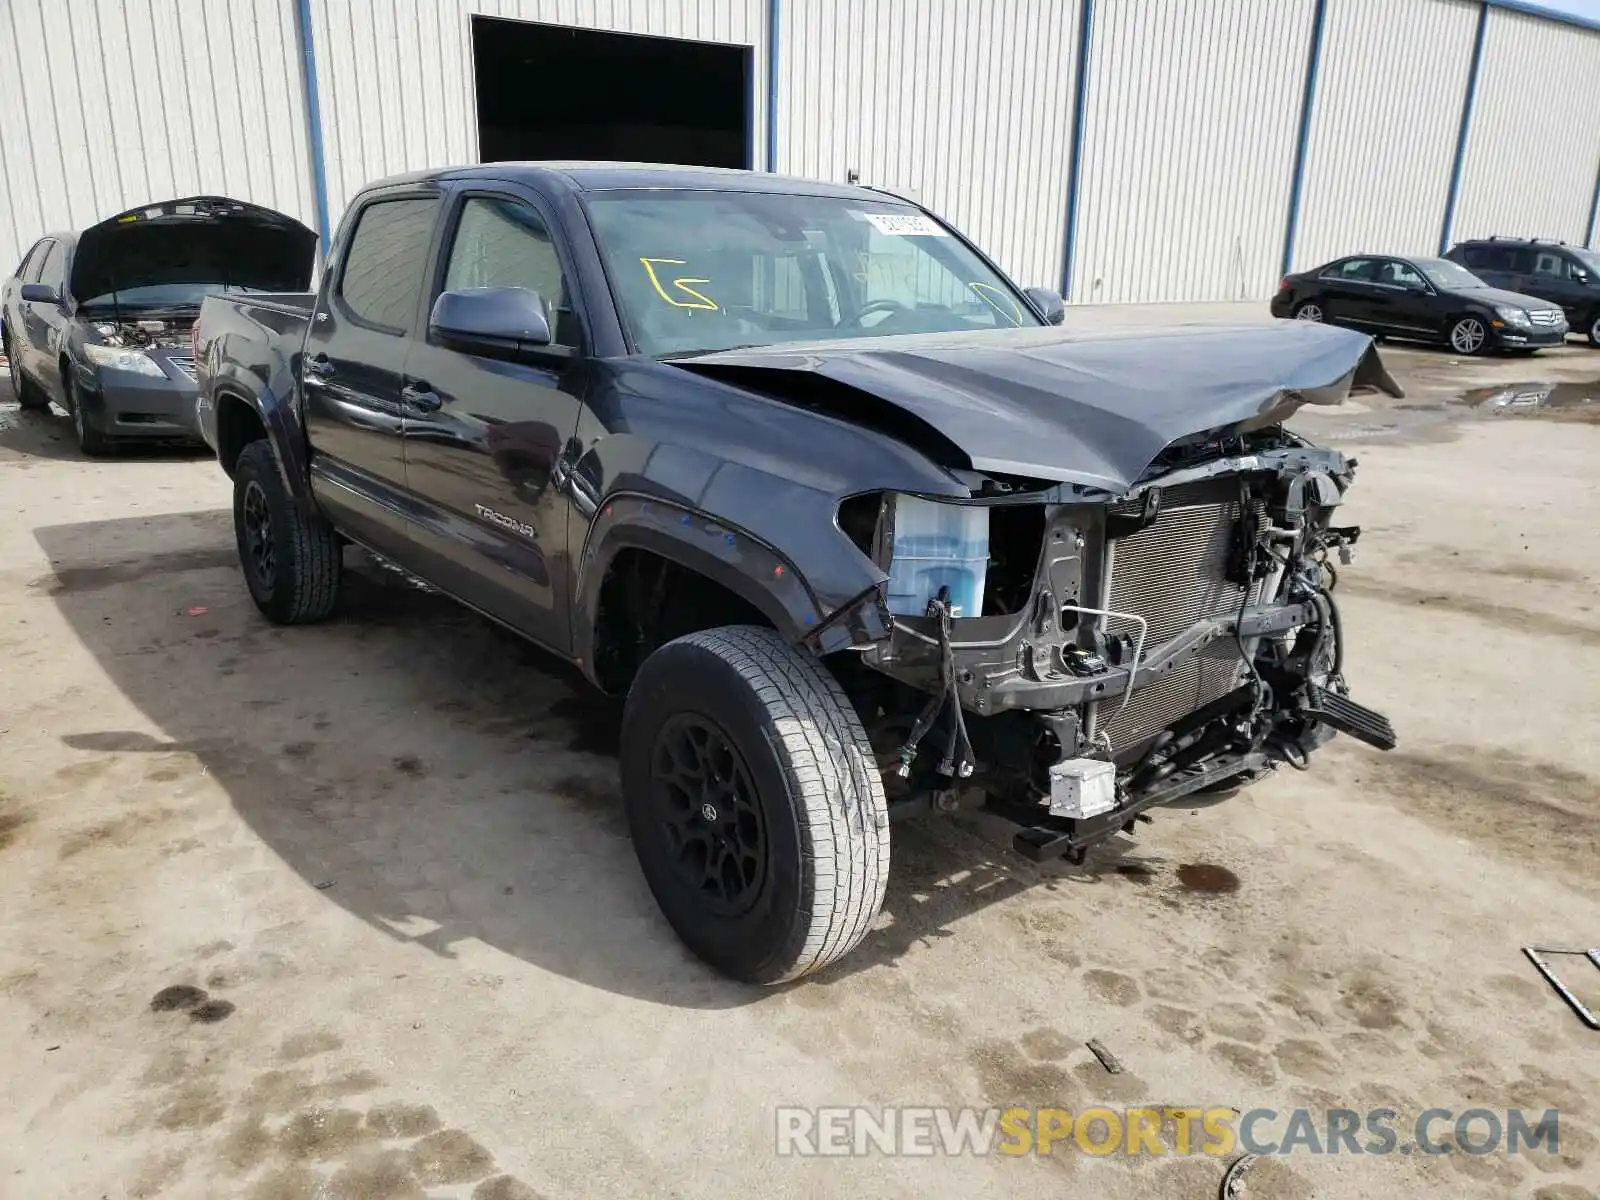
pixel 856 529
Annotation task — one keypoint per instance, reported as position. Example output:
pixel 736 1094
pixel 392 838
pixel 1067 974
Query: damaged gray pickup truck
pixel 855 529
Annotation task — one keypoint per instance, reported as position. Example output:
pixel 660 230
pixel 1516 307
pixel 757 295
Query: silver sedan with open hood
pixel 99 321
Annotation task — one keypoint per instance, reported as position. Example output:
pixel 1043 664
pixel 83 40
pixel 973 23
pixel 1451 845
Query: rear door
pixel 1494 264
pixel 486 437
pixel 352 366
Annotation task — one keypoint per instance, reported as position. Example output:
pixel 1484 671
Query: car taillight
pixel 1283 284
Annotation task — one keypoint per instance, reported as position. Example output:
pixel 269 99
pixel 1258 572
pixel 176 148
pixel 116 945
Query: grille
pixel 184 363
pixel 1544 317
pixel 1172 574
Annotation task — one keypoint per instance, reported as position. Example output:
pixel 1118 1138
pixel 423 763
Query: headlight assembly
pixel 123 359
pixel 1513 315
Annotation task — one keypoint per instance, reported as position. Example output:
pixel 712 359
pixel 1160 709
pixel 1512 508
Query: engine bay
pixel 143 334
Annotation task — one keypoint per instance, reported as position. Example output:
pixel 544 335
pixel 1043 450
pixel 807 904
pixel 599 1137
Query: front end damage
pixel 1169 642
pixel 1125 597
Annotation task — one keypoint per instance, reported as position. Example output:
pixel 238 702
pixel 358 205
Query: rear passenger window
pixel 382 276
pixel 1363 270
pixel 501 243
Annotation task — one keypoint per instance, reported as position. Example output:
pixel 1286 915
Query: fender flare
pixel 720 550
pixel 283 434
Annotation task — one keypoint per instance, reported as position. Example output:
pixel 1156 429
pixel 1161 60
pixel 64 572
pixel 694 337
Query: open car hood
pixel 1047 404
pixel 201 239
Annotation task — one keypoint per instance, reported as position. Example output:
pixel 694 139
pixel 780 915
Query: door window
pixel 1521 260
pixel 1550 265
pixel 504 243
pixel 1356 270
pixel 34 259
pixel 1400 274
pixel 382 276
pixel 52 271
pixel 1489 258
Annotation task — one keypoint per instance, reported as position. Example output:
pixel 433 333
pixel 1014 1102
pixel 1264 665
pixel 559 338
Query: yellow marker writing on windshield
pixel 987 292
pixel 700 300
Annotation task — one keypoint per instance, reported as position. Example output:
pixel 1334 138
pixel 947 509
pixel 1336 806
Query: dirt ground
pixel 389 852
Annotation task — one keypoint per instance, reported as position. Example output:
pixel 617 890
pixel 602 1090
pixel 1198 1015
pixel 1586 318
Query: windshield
pixel 696 272
pixel 1589 258
pixel 1443 273
pixel 162 295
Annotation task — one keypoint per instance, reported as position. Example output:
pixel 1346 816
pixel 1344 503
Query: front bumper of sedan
pixel 1515 337
pixel 130 404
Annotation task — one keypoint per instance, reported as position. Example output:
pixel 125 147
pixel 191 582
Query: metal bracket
pixel 1577 1006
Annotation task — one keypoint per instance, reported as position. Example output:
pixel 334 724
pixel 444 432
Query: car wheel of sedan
pixel 1310 311
pixel 28 396
pixel 292 559
pixel 1468 335
pixel 90 440
pixel 1594 331
pixel 755 803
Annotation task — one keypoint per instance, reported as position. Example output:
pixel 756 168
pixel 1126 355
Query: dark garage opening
pixel 552 91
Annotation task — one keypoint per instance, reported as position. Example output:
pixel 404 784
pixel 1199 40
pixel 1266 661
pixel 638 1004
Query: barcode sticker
pixel 906 224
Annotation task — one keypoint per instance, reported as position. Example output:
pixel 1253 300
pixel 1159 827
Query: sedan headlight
pixel 124 359
pixel 1515 316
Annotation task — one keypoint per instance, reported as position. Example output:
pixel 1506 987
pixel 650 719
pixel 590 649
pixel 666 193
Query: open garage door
pixel 553 91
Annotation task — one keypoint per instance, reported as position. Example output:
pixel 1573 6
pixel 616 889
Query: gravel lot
pixel 390 851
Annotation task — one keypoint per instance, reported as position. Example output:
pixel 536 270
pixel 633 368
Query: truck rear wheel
pixel 755 803
pixel 291 558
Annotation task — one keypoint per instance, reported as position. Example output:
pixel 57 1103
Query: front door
pixel 44 326
pixel 351 370
pixel 1405 302
pixel 485 436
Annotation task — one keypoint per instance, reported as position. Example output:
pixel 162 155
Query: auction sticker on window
pixel 906 224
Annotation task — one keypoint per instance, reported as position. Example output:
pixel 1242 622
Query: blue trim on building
pixel 772 84
pixel 1467 101
pixel 1594 214
pixel 1080 119
pixel 319 167
pixel 1308 100
pixel 1549 14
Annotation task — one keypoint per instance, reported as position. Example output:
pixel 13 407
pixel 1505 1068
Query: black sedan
pixel 1424 299
pixel 98 321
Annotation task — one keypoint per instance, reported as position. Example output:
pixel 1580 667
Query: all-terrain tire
pixel 28 394
pixel 815 786
pixel 296 581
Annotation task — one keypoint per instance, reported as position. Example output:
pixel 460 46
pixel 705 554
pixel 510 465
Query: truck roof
pixel 603 176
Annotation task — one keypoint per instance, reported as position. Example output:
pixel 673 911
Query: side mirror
pixel 1050 304
pixel 40 293
pixel 498 322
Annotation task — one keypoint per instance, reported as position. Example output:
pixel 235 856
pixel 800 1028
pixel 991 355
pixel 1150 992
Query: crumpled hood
pixel 201 239
pixel 1094 409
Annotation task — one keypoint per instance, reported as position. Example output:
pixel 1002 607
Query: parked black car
pixel 99 321
pixel 796 470
pixel 1421 299
pixel 1553 271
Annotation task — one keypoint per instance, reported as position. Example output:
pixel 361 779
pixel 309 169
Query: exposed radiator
pixel 1172 573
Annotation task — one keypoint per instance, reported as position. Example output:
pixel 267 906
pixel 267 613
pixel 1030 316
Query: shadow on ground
pixel 432 774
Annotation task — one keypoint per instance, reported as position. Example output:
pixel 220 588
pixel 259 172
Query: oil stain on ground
pixel 1207 878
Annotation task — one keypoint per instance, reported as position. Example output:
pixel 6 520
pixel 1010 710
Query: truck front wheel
pixel 755 803
pixel 291 558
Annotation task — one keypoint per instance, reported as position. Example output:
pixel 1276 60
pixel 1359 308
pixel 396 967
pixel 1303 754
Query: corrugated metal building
pixel 1186 150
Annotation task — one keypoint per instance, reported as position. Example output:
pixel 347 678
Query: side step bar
pixel 1345 715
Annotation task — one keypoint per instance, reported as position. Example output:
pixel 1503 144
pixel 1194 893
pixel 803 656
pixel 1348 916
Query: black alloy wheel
pixel 707 811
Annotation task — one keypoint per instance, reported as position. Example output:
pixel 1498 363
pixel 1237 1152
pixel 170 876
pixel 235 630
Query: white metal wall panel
pixel 1383 131
pixel 1528 175
pixel 965 103
pixel 395 78
pixel 111 104
pixel 1193 120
